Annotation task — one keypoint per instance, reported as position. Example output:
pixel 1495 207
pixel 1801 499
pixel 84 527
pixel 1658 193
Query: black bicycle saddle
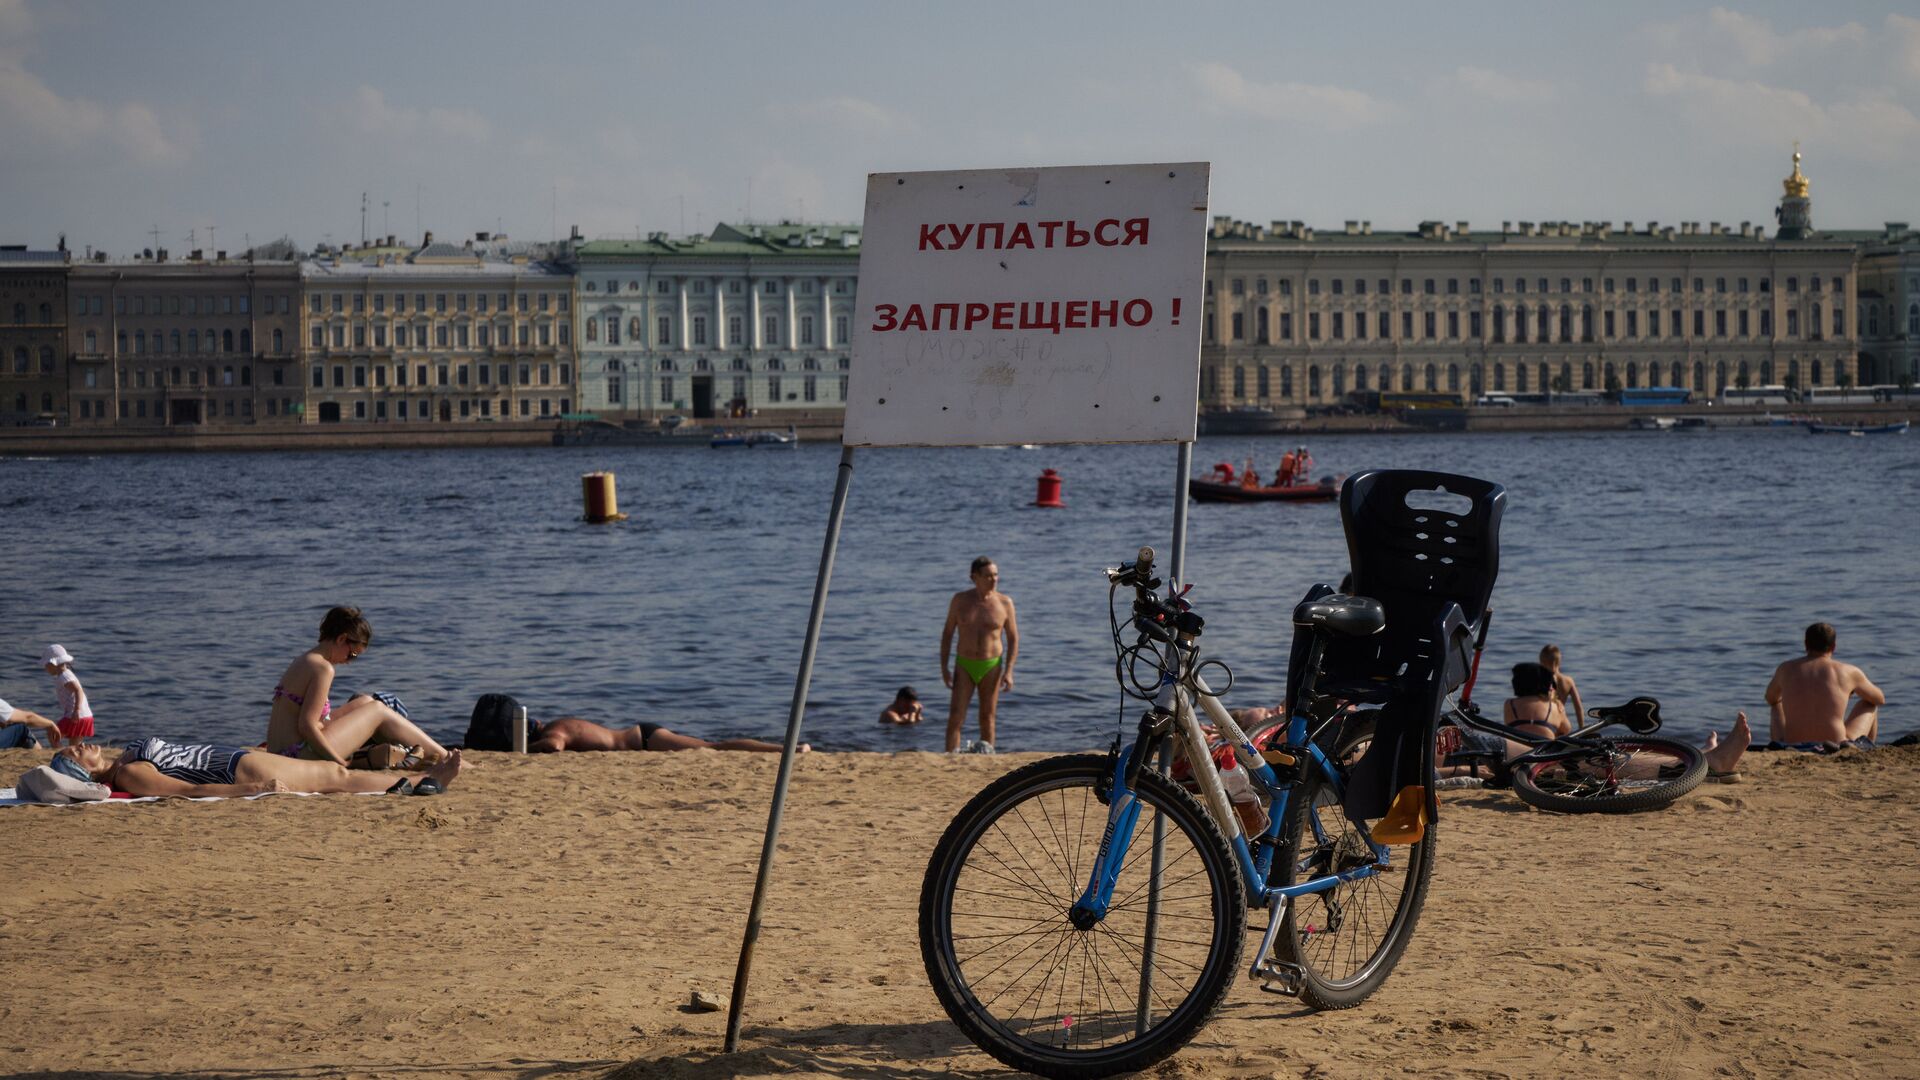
pixel 1348 616
pixel 1641 715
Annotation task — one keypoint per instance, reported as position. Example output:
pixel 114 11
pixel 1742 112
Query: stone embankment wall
pixel 19 441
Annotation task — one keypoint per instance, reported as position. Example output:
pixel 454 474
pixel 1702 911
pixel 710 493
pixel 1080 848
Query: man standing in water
pixel 1808 697
pixel 980 615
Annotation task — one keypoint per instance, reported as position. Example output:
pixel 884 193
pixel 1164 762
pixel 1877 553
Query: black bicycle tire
pixel 1315 989
pixel 1653 798
pixel 1160 1041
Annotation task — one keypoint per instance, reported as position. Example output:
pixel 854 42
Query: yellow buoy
pixel 602 504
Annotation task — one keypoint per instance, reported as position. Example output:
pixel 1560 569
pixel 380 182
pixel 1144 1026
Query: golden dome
pixel 1796 184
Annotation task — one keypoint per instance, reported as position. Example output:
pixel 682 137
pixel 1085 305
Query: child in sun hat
pixel 76 715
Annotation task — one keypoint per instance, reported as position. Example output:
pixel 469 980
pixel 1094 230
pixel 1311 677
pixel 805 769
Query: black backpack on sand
pixel 492 726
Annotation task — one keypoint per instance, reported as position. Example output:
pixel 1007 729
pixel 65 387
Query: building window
pixel 806 331
pixel 699 329
pixel 664 331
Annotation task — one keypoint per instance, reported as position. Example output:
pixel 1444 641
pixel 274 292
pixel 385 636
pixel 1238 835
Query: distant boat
pixel 1327 487
pixel 755 438
pixel 1857 429
pixel 1653 423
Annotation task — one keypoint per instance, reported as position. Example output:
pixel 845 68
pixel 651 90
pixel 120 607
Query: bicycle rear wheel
pixel 1041 995
pixel 1347 939
pixel 1614 776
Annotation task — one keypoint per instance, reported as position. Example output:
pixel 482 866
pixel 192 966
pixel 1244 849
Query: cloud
pixel 1753 113
pixel 30 109
pixel 850 113
pixel 15 20
pixel 1226 90
pixel 1903 34
pixel 1498 86
pixel 1760 44
pixel 374 116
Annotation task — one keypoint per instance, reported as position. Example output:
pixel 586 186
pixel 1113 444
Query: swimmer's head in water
pixel 1821 638
pixel 1530 679
pixel 906 694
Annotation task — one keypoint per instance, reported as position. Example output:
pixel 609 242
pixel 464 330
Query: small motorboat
pixel 1653 423
pixel 1898 428
pixel 755 438
pixel 1327 487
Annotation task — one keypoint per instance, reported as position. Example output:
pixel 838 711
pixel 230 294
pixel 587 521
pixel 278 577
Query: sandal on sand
pixel 402 786
pixel 1731 776
pixel 428 786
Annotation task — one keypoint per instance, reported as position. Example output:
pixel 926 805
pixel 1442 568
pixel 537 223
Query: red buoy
pixel 1048 493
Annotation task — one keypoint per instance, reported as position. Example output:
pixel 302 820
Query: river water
pixel 1684 565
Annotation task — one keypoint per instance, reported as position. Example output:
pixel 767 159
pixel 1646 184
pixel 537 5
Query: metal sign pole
pixel 794 716
pixel 1176 570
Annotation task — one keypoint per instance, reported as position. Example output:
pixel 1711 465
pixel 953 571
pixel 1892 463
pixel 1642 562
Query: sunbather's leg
pixel 663 739
pixel 1863 722
pixel 325 777
pixel 361 719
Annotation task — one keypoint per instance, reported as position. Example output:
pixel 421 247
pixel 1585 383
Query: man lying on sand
pixel 195 770
pixel 1808 697
pixel 573 733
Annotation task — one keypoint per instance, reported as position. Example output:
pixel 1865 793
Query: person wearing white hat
pixel 76 715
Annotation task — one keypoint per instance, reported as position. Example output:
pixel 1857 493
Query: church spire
pixel 1796 184
pixel 1795 213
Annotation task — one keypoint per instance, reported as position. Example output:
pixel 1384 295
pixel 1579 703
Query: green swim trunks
pixel 977 669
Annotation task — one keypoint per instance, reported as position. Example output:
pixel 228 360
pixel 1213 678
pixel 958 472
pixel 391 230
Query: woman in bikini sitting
pixel 304 724
pixel 157 767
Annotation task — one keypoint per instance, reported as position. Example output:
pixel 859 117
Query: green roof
pixel 787 239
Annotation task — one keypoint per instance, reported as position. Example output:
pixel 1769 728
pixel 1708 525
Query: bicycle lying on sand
pixel 1583 772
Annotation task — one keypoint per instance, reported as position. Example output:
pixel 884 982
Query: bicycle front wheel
pixel 1613 776
pixel 1345 940
pixel 1029 987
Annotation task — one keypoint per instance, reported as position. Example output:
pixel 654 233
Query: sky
pixel 219 122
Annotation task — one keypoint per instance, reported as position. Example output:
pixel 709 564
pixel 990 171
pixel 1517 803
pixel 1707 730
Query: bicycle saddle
pixel 1641 715
pixel 1348 616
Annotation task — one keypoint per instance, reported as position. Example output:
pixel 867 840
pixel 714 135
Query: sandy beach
pixel 551 915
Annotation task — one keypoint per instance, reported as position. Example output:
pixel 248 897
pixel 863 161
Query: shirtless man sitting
pixel 979 616
pixel 1808 698
pixel 573 733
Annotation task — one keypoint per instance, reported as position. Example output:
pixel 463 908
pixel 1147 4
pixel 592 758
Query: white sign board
pixel 1029 305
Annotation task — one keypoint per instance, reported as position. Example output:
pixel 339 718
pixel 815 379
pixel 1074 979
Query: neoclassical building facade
pixel 1300 317
pixel 750 319
pixel 445 333
pixel 33 330
pixel 1889 310
pixel 201 340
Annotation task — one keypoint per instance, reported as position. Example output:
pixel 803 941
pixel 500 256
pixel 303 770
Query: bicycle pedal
pixel 1279 978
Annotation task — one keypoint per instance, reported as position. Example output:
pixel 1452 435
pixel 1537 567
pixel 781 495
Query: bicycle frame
pixel 1175 702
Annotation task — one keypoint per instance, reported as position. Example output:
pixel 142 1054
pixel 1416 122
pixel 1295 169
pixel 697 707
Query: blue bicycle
pixel 1084 916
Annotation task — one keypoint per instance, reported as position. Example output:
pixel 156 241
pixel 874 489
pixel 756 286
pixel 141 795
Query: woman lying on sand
pixel 196 770
pixel 573 733
pixel 305 726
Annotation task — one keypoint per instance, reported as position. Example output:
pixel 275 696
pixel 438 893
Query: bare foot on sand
pixel 1723 755
pixel 448 769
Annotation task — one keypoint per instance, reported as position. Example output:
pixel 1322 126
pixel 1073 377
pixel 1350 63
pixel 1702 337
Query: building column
pixel 719 314
pixel 686 330
pixel 753 332
pixel 793 324
pixel 826 314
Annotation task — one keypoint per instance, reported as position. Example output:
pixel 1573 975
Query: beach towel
pixel 16 797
